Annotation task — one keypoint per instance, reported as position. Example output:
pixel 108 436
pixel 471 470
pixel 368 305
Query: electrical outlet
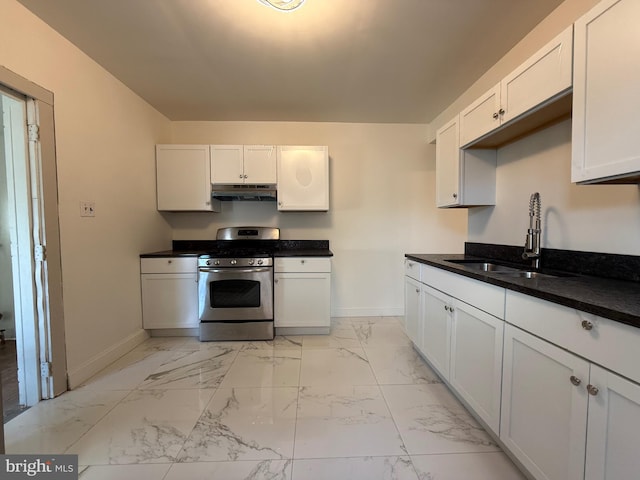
pixel 87 209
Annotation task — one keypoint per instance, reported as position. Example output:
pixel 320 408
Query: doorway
pixel 30 301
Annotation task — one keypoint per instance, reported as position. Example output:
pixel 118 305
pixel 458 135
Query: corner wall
pixel 105 136
pixel 382 204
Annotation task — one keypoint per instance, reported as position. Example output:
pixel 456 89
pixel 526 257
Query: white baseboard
pixel 368 312
pixel 103 359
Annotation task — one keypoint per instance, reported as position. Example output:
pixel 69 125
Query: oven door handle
pixel 234 270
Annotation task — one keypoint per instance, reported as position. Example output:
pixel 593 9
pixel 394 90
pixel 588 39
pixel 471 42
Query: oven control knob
pixel 251 261
pixel 260 262
pixel 208 262
pixel 217 262
pixel 233 262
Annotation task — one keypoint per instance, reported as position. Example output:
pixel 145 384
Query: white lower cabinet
pixel 302 293
pixel 613 427
pixel 169 293
pixel 461 342
pixel 544 406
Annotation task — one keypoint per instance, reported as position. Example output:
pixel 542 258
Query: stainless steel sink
pixel 484 266
pixel 503 270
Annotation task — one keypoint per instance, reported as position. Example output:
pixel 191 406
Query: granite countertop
pixel 615 299
pixel 279 248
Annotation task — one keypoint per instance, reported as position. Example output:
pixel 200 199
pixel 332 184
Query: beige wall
pixel 105 138
pixel 382 204
pixel 599 218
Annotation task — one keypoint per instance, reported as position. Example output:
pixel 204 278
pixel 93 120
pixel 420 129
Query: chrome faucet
pixel 532 242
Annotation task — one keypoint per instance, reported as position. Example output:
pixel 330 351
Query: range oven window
pixel 234 294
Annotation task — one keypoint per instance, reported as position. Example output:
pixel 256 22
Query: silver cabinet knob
pixel 446 308
pixel 587 325
pixel 455 195
pixel 417 290
pixel 240 175
pixel 495 116
pixel 245 176
pixel 275 280
pixel 302 261
pixel 575 380
pixel 592 389
pixel 170 261
pixel 501 111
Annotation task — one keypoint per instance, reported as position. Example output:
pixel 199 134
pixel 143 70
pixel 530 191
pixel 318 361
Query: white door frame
pixel 46 365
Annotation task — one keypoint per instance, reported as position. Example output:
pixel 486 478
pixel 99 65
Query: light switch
pixel 87 209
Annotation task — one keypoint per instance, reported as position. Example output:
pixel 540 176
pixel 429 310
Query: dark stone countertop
pixel 615 299
pixel 278 248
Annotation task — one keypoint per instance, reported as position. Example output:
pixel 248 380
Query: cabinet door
pixel 606 99
pixel 182 178
pixel 169 300
pixel 303 178
pixel 227 164
pixel 614 423
pixel 544 412
pixel 260 164
pixel 448 164
pixel 545 75
pixel 436 329
pixel 476 360
pixel 412 311
pixel 480 117
pixel 302 299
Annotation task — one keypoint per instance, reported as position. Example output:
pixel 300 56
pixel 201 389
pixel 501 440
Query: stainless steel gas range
pixel 235 285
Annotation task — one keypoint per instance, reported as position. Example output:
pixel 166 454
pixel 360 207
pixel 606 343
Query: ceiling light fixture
pixel 283 5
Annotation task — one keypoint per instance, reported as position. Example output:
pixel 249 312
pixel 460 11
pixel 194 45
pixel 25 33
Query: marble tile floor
pixel 356 404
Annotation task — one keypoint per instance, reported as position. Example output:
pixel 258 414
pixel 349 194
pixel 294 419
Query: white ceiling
pixel 383 61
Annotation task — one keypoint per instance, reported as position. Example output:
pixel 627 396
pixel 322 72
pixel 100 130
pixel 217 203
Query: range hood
pixel 260 193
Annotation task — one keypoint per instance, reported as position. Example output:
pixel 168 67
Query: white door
pixel 448 164
pixel 480 117
pixel 303 178
pixel 614 423
pixel 544 406
pixel 476 360
pixel 436 328
pixel 260 164
pixel 302 300
pixel 606 101
pixel 412 320
pixel 183 178
pixel 227 164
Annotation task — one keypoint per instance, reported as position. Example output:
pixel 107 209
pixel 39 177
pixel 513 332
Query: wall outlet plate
pixel 87 209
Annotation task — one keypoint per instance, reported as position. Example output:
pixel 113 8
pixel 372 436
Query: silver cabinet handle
pixel 455 195
pixel 495 116
pixel 575 380
pixel 417 290
pixel 240 175
pixel 587 325
pixel 446 308
pixel 169 261
pixel 592 389
pixel 501 111
pixel 302 261
pixel 275 280
pixel 245 176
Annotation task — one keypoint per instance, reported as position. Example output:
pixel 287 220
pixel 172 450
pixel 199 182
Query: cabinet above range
pixel 197 177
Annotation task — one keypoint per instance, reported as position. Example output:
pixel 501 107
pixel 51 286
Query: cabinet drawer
pixel 412 269
pixel 169 265
pixel 608 343
pixel 303 264
pixel 484 296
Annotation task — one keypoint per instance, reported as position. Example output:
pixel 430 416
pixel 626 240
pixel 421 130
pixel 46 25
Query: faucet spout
pixel 532 240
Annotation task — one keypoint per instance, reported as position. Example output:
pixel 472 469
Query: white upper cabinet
pixel 239 164
pixel 606 97
pixel 182 178
pixel 303 178
pixel 530 88
pixel 463 177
